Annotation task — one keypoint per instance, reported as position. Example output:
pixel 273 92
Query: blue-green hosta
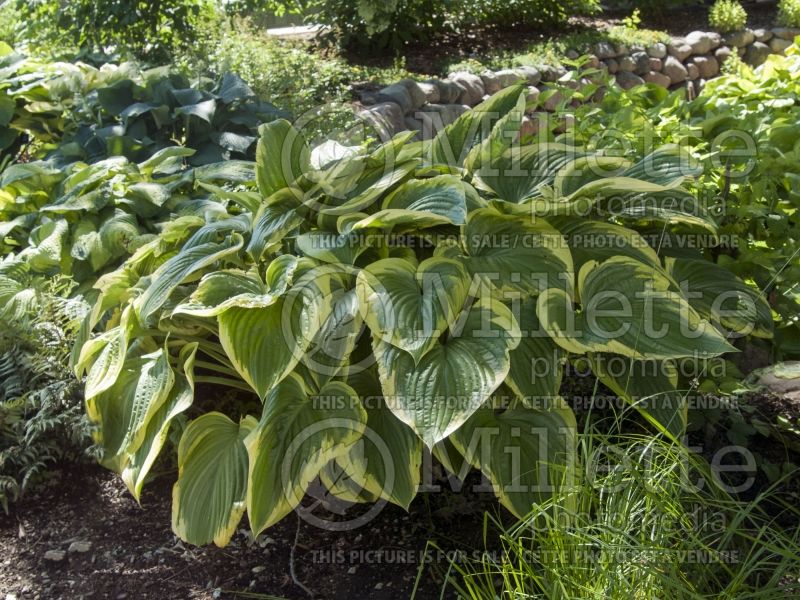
pixel 379 303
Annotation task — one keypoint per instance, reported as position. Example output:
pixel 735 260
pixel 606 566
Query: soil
pixel 133 554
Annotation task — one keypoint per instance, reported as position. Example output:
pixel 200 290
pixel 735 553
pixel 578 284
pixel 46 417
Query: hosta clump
pixel 378 303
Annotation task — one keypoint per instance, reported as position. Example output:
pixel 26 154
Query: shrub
pixel 297 293
pixel 526 12
pixel 789 13
pixel 727 15
pixel 10 23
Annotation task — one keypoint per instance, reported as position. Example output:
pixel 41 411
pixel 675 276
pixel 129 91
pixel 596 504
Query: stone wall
pixel 427 106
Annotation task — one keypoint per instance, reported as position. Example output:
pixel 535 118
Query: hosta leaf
pixel 718 294
pixel 370 186
pixel 648 385
pixel 527 454
pixel 221 290
pixel 107 366
pixel 208 499
pixel 266 343
pixel 281 157
pixel 628 308
pixel 124 409
pixel 173 272
pixel 499 140
pixel 436 395
pixel 451 144
pixel 179 399
pixel 276 217
pixel 515 254
pixel 409 306
pixel 331 247
pixel 297 436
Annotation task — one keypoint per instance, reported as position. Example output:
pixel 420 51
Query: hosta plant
pixel 371 304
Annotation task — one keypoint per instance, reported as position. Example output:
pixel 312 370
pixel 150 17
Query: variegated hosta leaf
pixel 628 308
pixel 597 240
pixel 437 394
pixel 648 385
pixel 502 136
pixel 452 144
pixel 297 436
pixel 409 306
pixel 354 196
pixel 718 294
pixel 173 272
pixel 528 454
pixel 124 410
pixel 110 349
pixel 386 461
pixel 515 255
pixel 536 364
pixel 278 215
pixel 208 499
pixel 138 464
pixel 281 157
pixel 420 203
pixel 264 344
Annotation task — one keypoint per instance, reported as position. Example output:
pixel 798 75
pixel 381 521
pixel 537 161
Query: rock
pixel 352 570
pixel 739 38
pixel 642 62
pixel 415 92
pixel 621 49
pixel 258 569
pixel 491 83
pixel 528 127
pixel 679 49
pixel 433 117
pixel 547 73
pixel 473 87
pixel 692 72
pixel 378 586
pixel 626 80
pixel 656 64
pixel 707 66
pixel 699 41
pixel 553 100
pixel 532 96
pixel 604 50
pixel 612 65
pixel 674 69
pixel 55 555
pixel 572 54
pixel 657 50
pixel 449 91
pixel 658 78
pixel 396 94
pixel 756 54
pixel 431 91
pixel 740 51
pixel 592 62
pixel 786 33
pixel 783 379
pixel 79 547
pixel 763 35
pixel 508 77
pixel 627 64
pixel 722 53
pixel 386 117
pixel 779 45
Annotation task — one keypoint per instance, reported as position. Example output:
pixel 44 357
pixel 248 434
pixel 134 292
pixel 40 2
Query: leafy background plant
pixel 727 15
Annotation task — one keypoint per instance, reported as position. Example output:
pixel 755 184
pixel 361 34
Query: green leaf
pixel 628 308
pixel 297 436
pixel 281 157
pixel 436 395
pixel 409 306
pixel 718 294
pixel 276 217
pixel 208 499
pixel 528 454
pixel 515 254
pixel 499 140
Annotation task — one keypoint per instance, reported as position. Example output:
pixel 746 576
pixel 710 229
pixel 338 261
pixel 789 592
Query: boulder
pixel 508 77
pixel 431 91
pixel 641 62
pixel 658 78
pixel 415 92
pixel 397 94
pixel 679 49
pixel 763 35
pixel 491 82
pixel 528 127
pixel 547 73
pixel 756 54
pixel 722 53
pixel 472 85
pixel 449 91
pixel 605 50
pixel 779 45
pixel 592 62
pixel 657 50
pixel 739 39
pixel 553 100
pixel 707 66
pixel 699 41
pixel 786 33
pixel 674 69
pixel 627 64
pixel 612 65
pixel 621 49
pixel 692 71
pixel 532 96
pixel 386 117
pixel 626 80
pixel 655 64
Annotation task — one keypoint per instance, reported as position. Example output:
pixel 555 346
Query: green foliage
pixel 424 275
pixel 638 525
pixel 526 12
pixel 10 23
pixel 41 414
pixel 150 31
pixel 789 13
pixel 727 15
